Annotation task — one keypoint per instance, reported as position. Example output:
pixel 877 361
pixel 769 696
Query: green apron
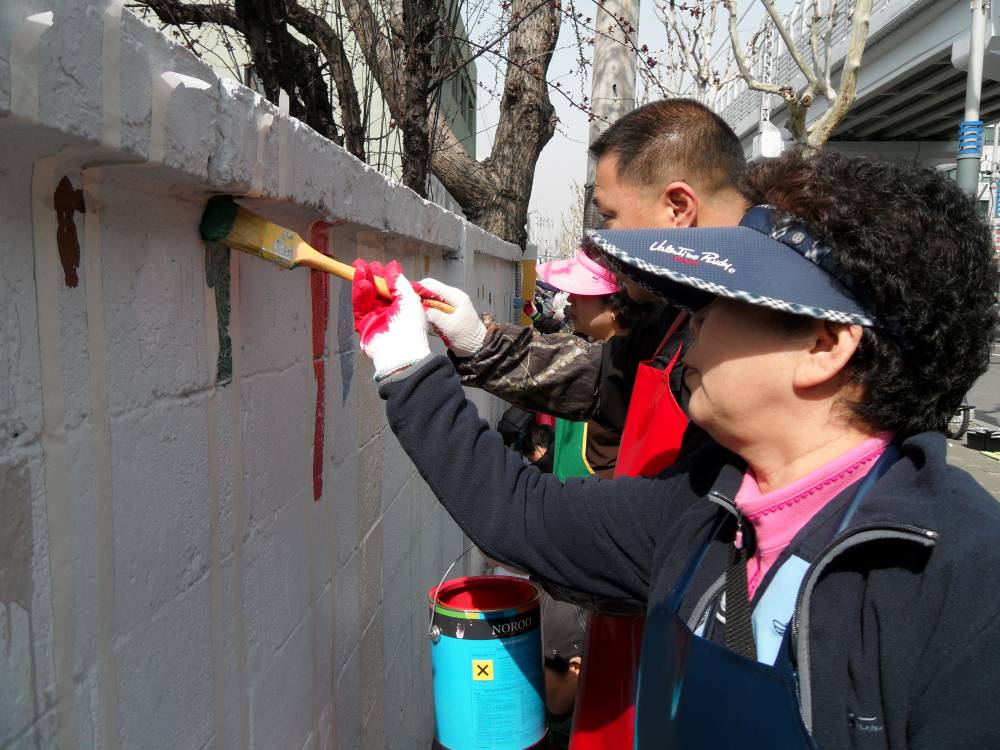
pixel 570 450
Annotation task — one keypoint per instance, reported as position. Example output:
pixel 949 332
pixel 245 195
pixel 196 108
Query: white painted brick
pixel 371 575
pixel 397 688
pixel 154 281
pixel 320 521
pixel 399 616
pixel 277 440
pixel 233 692
pixel 42 733
pixel 220 403
pixel 84 538
pixel 242 115
pixel 281 571
pixel 324 634
pixel 145 55
pixel 164 682
pixel 347 613
pixel 327 725
pixel 20 391
pixel 397 469
pixel 66 103
pixel 397 533
pixel 372 694
pixel 370 471
pixel 276 319
pixel 16 704
pixel 341 432
pixel 87 701
pixel 342 495
pixel 161 520
pixel 348 692
pixel 281 700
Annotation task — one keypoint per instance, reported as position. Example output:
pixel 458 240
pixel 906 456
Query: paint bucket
pixel 486 653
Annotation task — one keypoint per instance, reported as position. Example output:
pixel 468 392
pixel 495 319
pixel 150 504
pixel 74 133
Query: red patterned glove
pixel 393 332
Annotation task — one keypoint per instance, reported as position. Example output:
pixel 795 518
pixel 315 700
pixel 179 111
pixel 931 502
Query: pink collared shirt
pixel 778 515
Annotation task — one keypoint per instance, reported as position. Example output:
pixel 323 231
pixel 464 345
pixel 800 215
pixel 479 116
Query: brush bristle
pixel 218 218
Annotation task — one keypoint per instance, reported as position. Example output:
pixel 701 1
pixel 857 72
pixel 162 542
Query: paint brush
pixel 230 224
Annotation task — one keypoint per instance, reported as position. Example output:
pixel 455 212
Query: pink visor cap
pixel 578 275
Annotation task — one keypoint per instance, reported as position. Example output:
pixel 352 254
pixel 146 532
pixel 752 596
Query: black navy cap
pixel 563 629
pixel 768 260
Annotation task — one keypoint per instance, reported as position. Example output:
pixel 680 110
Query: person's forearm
pixel 562 533
pixel 555 373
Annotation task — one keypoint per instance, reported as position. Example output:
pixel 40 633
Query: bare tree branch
pixel 828 41
pixel 839 106
pixel 814 34
pixel 741 61
pixel 793 50
pixel 405 58
pixel 492 46
pixel 315 28
pixel 175 12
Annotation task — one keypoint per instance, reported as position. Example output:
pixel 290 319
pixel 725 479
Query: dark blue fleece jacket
pixel 898 627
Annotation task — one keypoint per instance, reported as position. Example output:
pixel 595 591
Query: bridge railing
pixel 740 106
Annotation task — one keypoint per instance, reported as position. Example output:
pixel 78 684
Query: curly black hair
pixel 923 261
pixel 628 311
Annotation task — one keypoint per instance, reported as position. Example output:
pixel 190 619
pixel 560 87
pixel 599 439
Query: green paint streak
pixel 217 221
pixel 217 278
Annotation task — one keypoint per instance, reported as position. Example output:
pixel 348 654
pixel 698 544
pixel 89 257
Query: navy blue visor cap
pixel 766 260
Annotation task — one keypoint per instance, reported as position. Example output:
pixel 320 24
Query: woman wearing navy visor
pixel 816 575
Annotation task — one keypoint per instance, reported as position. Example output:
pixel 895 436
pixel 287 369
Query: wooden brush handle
pixel 331 265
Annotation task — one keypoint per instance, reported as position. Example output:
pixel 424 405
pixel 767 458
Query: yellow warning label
pixel 482 669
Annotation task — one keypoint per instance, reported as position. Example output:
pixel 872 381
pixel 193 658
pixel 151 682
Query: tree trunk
pixel 494 193
pixel 283 62
pixel 315 28
pixel 399 50
pixel 420 24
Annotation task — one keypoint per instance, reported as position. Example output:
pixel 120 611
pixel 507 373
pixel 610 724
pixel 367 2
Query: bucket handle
pixel 433 631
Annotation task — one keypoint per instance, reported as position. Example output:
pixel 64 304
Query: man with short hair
pixel 671 163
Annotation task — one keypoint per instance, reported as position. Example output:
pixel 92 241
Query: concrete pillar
pixel 613 92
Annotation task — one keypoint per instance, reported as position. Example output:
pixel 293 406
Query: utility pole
pixel 970 133
pixel 613 90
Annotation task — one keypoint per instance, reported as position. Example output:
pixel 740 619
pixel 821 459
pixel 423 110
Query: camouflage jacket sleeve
pixel 555 373
pixel 564 375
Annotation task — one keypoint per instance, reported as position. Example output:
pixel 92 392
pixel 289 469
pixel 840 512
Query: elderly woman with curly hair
pixel 816 575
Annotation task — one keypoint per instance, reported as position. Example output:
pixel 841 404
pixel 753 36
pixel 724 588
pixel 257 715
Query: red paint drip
pixel 320 288
pixel 66 200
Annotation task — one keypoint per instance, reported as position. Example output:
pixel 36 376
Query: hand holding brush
pixel 230 224
pixel 393 333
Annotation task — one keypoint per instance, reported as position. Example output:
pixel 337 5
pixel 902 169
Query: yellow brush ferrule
pixel 278 245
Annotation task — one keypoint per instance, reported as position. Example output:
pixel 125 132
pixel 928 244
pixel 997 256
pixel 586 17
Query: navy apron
pixel 695 694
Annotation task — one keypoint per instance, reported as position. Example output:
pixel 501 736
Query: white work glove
pixel 393 332
pixel 461 331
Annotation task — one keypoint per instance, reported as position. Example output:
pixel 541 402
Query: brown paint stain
pixel 67 200
pixel 427 266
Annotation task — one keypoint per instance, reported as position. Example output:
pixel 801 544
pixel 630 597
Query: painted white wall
pixel 166 578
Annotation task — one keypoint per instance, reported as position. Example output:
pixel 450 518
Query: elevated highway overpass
pixel 911 86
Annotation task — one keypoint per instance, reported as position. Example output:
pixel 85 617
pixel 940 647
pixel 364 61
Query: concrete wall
pixel 168 578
